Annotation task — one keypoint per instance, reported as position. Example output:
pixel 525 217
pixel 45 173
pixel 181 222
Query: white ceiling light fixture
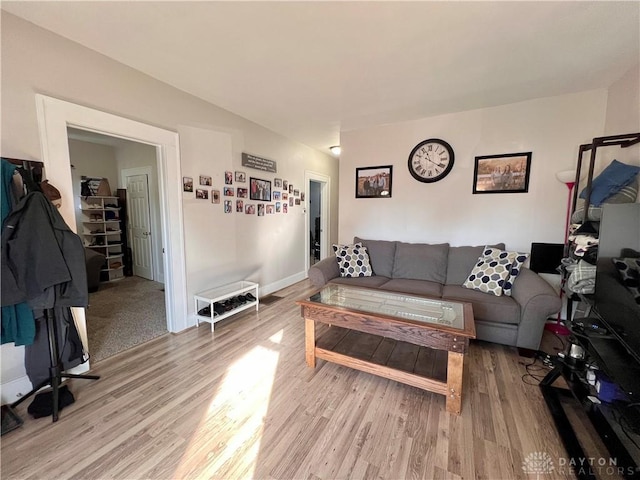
pixel 335 150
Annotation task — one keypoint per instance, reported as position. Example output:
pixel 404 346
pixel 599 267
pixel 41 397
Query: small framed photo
pixel 374 182
pixel 239 206
pixel 187 184
pixel 277 183
pixel 250 209
pixel 228 191
pixel 269 209
pixel 291 201
pixel 285 185
pixel 296 193
pixel 215 196
pixel 242 192
pixel 297 201
pixel 202 193
pixel 261 209
pixel 506 173
pixel 290 188
pixel 284 208
pixel 259 189
pixel 285 196
pixel 241 177
pixel 228 206
pixel 302 196
pixel 276 195
pixel 228 178
pixel 205 180
pixel 278 207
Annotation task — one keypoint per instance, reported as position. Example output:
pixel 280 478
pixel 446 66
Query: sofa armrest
pixel 323 271
pixel 538 300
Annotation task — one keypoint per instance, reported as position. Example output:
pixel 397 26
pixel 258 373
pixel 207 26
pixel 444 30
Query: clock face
pixel 431 160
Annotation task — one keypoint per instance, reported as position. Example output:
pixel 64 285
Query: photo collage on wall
pixel 248 195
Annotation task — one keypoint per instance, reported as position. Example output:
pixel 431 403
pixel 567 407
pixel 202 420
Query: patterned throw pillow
pixel 517 260
pixel 489 275
pixel 629 270
pixel 353 260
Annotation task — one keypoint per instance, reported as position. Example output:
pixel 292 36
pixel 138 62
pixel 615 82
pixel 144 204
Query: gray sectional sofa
pixel 439 271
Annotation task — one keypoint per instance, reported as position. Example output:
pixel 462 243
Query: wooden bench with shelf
pixel 222 294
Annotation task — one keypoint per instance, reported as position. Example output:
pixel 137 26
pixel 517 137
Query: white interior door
pixel 140 225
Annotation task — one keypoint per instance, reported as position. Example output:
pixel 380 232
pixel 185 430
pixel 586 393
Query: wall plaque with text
pixel 258 163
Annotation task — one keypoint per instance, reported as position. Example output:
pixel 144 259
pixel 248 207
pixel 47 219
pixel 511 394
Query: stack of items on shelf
pixel 618 183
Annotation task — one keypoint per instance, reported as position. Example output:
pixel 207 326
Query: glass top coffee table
pixel 414 340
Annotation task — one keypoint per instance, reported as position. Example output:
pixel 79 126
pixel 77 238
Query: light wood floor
pixel 241 403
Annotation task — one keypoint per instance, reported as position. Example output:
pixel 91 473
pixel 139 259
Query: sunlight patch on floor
pixel 231 429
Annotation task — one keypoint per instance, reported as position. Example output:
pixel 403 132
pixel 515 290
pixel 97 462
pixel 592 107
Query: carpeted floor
pixel 124 314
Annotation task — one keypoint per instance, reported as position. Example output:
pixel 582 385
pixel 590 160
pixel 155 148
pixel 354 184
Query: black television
pixel 614 305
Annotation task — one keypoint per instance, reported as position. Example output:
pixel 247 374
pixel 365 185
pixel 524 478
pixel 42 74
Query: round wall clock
pixel 431 160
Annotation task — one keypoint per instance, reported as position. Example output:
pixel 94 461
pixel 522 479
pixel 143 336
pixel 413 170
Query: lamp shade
pixel 566 176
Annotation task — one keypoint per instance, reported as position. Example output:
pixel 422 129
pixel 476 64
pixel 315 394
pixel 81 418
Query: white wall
pixel 270 250
pixel 90 160
pixel 623 116
pixel 447 211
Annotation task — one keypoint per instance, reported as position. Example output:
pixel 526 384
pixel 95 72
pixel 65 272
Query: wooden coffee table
pixel 413 340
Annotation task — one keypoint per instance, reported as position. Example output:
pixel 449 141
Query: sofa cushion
pixel 415 287
pixel 489 275
pixel 421 261
pixel 353 260
pixel 381 255
pixel 371 282
pixel 487 308
pixel 517 259
pixel 461 261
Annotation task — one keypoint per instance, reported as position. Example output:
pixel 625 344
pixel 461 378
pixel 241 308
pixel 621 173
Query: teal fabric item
pixel 18 324
pixel 614 178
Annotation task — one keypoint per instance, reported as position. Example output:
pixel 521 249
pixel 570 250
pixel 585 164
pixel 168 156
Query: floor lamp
pixel 568 177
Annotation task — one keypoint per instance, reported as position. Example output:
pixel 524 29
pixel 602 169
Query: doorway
pixel 317 213
pixel 54 116
pixel 127 309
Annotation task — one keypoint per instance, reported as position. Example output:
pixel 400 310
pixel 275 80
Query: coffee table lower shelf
pixel 433 370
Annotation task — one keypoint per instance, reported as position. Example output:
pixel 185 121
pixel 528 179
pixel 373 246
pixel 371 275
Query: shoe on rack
pixel 205 312
pixel 218 308
pixel 250 297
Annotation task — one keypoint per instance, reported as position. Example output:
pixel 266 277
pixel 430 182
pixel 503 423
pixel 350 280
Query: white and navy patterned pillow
pixel 489 275
pixel 517 260
pixel 353 260
pixel 629 270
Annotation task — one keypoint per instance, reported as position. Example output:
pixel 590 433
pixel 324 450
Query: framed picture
pixel 276 195
pixel 228 191
pixel 278 207
pixel 259 189
pixel 269 209
pixel 227 206
pixel 285 185
pixel 261 209
pixel 291 188
pixel 215 196
pixel 277 183
pixel 374 182
pixel 228 178
pixel 250 209
pixel 302 196
pixel 205 180
pixel 507 173
pixel 242 192
pixel 187 184
pixel 296 193
pixel 239 206
pixel 241 177
pixel 284 208
pixel 285 196
pixel 202 193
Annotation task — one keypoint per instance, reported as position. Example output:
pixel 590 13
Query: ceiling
pixel 309 70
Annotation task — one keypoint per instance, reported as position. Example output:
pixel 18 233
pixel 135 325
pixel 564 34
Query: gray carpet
pixel 123 314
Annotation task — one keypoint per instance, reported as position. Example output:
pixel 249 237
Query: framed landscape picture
pixel 506 173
